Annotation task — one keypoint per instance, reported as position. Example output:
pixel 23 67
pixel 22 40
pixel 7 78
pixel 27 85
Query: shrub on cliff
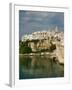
pixel 23 48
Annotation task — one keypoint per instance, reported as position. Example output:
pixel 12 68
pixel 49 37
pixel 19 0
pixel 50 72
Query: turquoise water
pixel 39 67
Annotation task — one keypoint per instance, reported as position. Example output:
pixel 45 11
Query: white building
pixel 27 37
pixel 44 35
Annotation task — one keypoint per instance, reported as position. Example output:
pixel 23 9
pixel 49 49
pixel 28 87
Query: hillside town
pixel 45 41
pixel 54 35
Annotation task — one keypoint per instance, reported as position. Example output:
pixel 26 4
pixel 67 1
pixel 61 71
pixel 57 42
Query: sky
pixel 32 21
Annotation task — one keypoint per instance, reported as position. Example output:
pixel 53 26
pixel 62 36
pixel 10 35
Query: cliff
pixel 46 41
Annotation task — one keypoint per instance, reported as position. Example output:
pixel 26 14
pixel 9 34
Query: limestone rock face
pixel 39 45
pixel 47 46
pixel 60 53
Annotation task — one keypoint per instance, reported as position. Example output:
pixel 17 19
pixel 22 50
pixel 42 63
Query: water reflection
pixel 39 67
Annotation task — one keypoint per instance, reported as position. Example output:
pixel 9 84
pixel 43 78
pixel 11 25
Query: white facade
pixel 44 35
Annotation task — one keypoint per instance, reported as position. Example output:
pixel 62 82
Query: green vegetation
pixel 23 48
